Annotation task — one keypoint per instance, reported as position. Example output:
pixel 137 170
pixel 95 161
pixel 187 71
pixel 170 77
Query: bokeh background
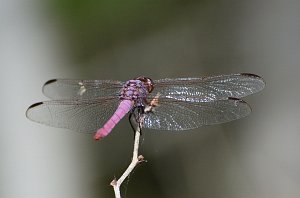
pixel 257 156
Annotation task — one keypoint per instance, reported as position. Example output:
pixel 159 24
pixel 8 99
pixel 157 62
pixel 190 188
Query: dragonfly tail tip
pixel 97 137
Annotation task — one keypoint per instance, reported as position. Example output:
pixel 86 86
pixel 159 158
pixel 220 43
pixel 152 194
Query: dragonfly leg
pixel 140 128
pixel 134 122
pixel 136 117
pixel 131 121
pixel 140 118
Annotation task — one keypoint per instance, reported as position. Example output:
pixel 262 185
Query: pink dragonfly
pixel 166 104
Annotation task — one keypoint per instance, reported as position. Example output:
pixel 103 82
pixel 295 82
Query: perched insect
pixel 166 104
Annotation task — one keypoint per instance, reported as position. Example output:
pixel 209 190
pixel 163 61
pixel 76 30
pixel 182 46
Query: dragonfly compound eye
pixel 148 82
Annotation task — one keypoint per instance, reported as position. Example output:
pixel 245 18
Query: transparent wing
pixel 208 88
pixel 173 114
pixel 60 89
pixel 78 115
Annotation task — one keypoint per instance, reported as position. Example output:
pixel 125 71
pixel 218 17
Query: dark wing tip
pixel 251 75
pixel 50 82
pixel 236 99
pixel 45 86
pixel 35 105
pixel 31 107
pixel 254 76
pixel 232 98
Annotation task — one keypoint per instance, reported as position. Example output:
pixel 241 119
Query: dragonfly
pixel 172 104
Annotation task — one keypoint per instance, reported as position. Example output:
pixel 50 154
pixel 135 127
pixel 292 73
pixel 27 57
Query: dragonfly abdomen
pixel 124 107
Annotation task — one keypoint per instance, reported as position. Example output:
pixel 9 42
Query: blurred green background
pixel 257 156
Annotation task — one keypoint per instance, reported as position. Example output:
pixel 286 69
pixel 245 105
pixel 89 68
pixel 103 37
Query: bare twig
pixel 135 160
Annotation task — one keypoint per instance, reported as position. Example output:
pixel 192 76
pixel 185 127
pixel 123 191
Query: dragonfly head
pixel 147 82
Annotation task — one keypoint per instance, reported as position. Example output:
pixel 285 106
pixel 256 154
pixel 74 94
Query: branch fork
pixel 136 159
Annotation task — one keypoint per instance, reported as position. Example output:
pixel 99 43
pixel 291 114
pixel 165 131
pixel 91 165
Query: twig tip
pixel 113 182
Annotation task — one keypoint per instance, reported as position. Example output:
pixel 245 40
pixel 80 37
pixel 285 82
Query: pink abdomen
pixel 123 108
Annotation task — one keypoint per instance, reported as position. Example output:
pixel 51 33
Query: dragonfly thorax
pixel 134 90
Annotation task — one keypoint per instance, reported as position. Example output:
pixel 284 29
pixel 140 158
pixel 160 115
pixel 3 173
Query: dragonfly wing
pixel 77 115
pixel 209 88
pixel 171 114
pixel 63 89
